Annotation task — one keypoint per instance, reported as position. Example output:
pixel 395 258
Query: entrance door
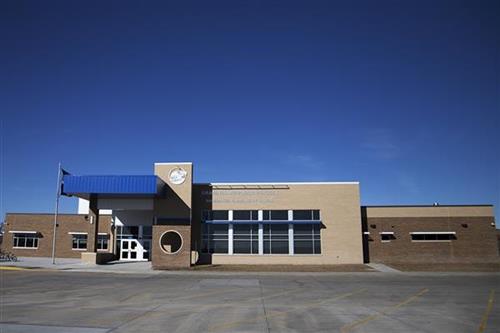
pixel 132 250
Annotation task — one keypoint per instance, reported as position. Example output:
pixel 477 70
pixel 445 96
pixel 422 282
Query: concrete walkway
pixel 77 265
pixel 383 268
pixel 144 267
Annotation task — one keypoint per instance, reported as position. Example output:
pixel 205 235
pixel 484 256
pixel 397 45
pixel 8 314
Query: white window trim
pixel 79 233
pixel 230 238
pixel 25 232
pixel 261 236
pixel 386 233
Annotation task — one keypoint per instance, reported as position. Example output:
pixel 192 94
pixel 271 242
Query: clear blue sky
pixel 402 96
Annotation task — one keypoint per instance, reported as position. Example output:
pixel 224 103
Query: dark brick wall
pixel 43 223
pixel 475 240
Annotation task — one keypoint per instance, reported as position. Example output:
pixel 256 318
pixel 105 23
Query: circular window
pixel 171 242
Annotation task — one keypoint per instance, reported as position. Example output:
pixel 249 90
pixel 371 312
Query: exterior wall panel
pixel 475 235
pixel 43 224
pixel 339 204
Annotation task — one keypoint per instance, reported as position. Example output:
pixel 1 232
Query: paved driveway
pixel 57 301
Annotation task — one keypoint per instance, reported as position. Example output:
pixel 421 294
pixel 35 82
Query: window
pixel 79 242
pixel 217 215
pixel 102 242
pixel 275 238
pixel 246 238
pixel 433 236
pixel 306 215
pixel 215 238
pixel 245 215
pixel 386 236
pixel 275 215
pixel 131 232
pixel 147 231
pixel 306 239
pixel 26 240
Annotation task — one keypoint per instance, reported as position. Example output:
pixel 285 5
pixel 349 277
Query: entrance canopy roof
pixel 133 186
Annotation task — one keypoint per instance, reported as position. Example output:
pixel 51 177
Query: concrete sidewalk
pixel 144 267
pixel 77 265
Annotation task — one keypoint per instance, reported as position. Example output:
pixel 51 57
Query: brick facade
pixel 475 239
pixel 43 225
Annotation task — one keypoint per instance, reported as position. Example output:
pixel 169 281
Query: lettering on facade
pixel 239 196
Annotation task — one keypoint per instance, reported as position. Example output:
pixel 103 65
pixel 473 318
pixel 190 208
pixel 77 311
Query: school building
pixel 169 220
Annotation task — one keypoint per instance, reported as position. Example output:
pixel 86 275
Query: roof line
pixel 72 214
pixel 172 163
pixel 283 183
pixel 395 206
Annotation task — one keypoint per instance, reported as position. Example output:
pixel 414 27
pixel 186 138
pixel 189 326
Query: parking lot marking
pixel 282 313
pixel 486 314
pixel 363 321
pixel 12 268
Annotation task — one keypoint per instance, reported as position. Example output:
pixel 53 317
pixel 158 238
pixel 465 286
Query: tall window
pixel 215 238
pixel 102 242
pixel 26 240
pixel 79 242
pixel 307 239
pixel 275 238
pixel 246 238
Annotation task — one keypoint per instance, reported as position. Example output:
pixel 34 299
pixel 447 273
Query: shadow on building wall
pixel 365 236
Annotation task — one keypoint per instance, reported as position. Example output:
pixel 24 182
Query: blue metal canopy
pixel 119 185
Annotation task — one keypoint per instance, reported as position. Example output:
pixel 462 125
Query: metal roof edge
pixel 281 183
pixel 422 206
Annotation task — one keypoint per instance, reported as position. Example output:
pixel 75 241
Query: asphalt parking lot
pixel 56 301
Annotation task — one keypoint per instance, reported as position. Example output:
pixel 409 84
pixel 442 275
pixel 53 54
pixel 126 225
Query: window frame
pixel 252 237
pixel 74 236
pixel 207 238
pixel 315 239
pixel 452 236
pixel 387 233
pixel 101 240
pixel 34 236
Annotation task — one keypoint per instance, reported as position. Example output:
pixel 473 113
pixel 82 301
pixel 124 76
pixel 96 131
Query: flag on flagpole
pixel 61 182
pixel 60 191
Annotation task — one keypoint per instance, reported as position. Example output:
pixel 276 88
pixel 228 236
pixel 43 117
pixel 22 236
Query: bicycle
pixel 8 256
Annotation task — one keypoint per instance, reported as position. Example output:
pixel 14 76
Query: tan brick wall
pixel 341 241
pixel 162 260
pixel 474 243
pixel 173 212
pixel 43 223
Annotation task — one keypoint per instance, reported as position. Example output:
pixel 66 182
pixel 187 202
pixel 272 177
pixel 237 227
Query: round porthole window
pixel 171 242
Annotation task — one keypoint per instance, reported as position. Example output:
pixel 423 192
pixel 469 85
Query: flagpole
pixel 58 194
